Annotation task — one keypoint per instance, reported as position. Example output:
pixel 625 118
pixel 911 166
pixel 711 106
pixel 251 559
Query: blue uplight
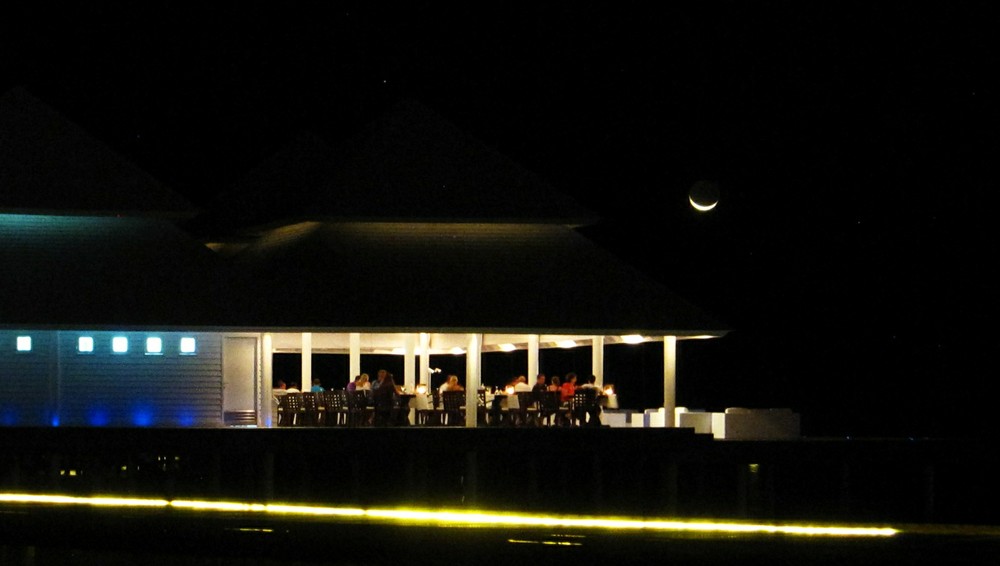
pixel 186 418
pixel 9 416
pixel 98 416
pixel 142 415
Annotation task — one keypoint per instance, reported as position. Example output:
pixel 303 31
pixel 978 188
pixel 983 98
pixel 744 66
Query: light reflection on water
pixel 548 548
pixel 151 532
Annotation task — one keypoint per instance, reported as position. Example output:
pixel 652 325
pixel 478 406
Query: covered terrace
pixel 416 350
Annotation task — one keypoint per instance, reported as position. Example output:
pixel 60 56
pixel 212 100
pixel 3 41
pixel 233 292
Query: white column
pixel 355 355
pixel 597 359
pixel 472 379
pixel 425 360
pixel 410 362
pixel 267 369
pixel 307 361
pixel 532 358
pixel 669 378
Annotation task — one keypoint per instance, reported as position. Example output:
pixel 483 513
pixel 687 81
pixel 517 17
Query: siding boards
pixel 27 379
pixel 104 388
pixel 56 384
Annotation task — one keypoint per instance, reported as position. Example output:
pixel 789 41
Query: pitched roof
pixel 410 164
pixel 458 277
pixel 475 242
pixel 101 272
pixel 49 165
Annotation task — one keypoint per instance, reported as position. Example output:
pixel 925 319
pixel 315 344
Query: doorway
pixel 239 381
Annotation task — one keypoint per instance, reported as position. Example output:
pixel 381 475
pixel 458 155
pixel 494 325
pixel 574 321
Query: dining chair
pixel 293 410
pixel 432 413
pixel 582 406
pixel 453 412
pixel 335 401
pixel 550 408
pixel 401 409
pixel 437 409
pixel 423 410
pixel 357 408
pixel 527 410
pixel 386 406
pixel 481 409
pixel 282 413
pixel 312 410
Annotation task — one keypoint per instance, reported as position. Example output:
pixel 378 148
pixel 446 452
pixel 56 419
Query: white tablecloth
pixel 420 402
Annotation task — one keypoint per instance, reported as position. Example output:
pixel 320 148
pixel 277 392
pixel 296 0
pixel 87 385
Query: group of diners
pixel 550 400
pixel 566 386
pixel 364 402
pixel 383 402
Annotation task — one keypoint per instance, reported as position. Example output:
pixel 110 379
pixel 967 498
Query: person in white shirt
pixel 592 417
pixel 451 385
pixel 521 384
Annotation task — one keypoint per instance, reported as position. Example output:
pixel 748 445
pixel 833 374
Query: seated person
pixel 360 383
pixel 591 383
pixel 452 384
pixel 383 399
pixel 540 384
pixel 593 415
pixel 568 388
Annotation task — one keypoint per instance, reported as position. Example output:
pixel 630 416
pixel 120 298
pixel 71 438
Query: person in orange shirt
pixel 568 387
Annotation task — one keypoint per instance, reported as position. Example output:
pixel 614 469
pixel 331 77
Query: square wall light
pixel 154 345
pixel 188 345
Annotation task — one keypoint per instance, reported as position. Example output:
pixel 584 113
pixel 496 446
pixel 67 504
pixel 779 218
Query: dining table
pixel 401 416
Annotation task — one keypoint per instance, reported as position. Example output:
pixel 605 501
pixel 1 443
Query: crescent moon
pixel 702 207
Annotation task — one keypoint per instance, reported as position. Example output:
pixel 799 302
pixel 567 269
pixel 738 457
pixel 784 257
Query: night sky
pixel 854 144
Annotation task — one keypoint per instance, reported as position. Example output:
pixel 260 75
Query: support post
pixel 410 362
pixel 472 379
pixel 307 363
pixel 532 358
pixel 355 355
pixel 267 370
pixel 425 360
pixel 597 359
pixel 669 379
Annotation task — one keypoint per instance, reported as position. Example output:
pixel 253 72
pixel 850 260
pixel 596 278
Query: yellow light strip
pixel 70 500
pixel 455 518
pixel 545 542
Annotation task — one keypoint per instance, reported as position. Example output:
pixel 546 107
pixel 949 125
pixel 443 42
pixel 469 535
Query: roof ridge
pixel 50 164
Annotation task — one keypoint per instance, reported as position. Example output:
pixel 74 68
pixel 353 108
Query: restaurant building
pixel 123 304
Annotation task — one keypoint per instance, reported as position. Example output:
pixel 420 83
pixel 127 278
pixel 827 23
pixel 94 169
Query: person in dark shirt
pixel 540 384
pixel 383 396
pixel 593 412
